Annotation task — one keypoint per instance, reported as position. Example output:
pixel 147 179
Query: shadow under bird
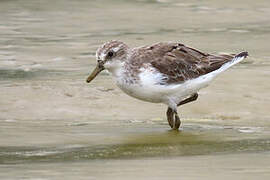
pixel 168 73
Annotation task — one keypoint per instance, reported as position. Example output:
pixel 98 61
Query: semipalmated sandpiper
pixel 169 73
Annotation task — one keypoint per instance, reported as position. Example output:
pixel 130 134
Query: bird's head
pixel 110 56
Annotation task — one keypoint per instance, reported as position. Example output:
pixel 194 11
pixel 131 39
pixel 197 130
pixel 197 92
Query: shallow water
pixel 55 126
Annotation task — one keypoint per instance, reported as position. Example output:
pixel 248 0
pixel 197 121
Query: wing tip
pixel 242 54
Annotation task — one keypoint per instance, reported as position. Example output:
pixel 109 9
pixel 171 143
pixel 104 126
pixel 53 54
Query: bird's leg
pixel 170 117
pixel 177 121
pixel 194 97
pixel 173 118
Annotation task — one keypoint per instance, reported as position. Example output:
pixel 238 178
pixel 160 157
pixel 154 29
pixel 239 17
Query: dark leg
pixel 170 117
pixel 194 97
pixel 173 119
pixel 177 121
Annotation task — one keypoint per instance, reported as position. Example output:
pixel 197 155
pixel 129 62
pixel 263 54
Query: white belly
pixel 150 88
pixel 141 92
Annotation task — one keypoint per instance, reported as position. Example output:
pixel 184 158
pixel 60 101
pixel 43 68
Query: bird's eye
pixel 110 54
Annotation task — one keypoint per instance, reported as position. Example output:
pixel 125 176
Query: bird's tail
pixel 236 59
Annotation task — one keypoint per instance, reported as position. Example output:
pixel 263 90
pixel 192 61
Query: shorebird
pixel 165 72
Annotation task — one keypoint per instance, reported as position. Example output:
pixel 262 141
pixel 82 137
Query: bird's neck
pixel 116 69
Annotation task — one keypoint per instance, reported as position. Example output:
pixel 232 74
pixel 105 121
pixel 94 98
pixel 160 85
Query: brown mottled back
pixel 177 61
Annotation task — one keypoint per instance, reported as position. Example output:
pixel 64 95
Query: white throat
pixel 115 67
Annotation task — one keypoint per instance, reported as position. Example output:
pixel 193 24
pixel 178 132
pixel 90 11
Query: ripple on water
pixel 146 145
pixel 27 72
pixel 239 30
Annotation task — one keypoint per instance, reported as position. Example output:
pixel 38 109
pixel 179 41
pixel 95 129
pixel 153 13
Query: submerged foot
pixel 170 117
pixel 173 119
pixel 177 122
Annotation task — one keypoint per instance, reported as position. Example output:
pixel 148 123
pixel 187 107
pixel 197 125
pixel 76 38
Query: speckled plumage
pixel 177 61
pixel 166 73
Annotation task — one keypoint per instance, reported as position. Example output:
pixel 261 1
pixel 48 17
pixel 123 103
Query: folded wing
pixel 180 63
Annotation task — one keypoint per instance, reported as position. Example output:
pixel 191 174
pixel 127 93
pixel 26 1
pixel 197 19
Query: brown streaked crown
pixel 112 49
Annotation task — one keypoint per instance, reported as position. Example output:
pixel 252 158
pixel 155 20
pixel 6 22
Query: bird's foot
pixel 170 117
pixel 177 122
pixel 173 119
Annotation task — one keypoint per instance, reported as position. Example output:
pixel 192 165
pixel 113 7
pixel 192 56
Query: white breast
pixel 146 86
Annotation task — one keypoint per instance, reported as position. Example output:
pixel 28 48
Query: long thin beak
pixel 96 71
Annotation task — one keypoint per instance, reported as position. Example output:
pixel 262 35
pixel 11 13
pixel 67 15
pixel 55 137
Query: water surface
pixel 55 126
